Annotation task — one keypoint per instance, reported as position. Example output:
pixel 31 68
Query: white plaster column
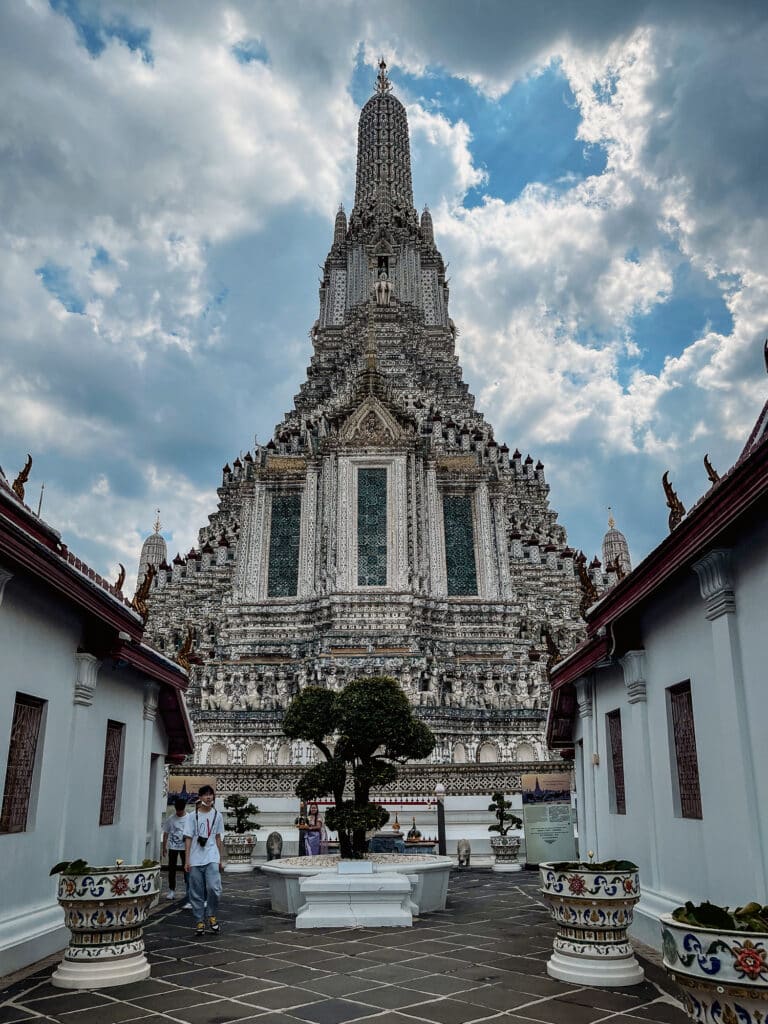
pixel 716 587
pixel 397 526
pixel 585 701
pixel 86 671
pixel 306 586
pixel 502 554
pixel 642 797
pixel 487 576
pixel 252 549
pixel 144 788
pixel 5 579
pixel 345 495
pixel 438 580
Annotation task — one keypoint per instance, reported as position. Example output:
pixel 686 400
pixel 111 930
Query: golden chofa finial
pixel 611 520
pixel 157 520
pixel 383 84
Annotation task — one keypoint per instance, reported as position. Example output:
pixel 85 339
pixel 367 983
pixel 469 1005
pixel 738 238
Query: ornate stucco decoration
pixel 371 425
pixel 286 464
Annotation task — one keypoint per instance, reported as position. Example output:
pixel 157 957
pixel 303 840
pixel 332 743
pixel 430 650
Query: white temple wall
pixel 39 638
pixel 722 857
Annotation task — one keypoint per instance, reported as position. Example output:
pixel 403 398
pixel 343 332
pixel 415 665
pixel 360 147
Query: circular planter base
pixel 507 867
pixel 104 974
pixel 599 973
pixel 238 869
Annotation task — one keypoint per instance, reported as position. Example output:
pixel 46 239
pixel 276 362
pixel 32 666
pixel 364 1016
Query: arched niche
pixel 284 754
pixel 218 754
pixel 525 752
pixel 255 754
pixel 487 753
pixel 459 753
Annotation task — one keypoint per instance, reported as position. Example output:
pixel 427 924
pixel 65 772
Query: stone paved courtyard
pixel 481 960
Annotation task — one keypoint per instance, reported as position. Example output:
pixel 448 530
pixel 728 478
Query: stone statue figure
pixel 383 290
pixel 252 700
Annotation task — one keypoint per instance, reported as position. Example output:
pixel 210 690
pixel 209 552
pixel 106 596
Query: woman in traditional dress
pixel 315 831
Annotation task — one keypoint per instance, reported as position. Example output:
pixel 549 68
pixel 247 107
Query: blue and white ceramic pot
pixel 105 909
pixel 723 974
pixel 592 910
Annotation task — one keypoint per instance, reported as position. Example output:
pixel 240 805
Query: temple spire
pixel 383 84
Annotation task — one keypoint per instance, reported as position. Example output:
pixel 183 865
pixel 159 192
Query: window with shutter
pixel 112 753
pixel 616 748
pixel 684 742
pixel 22 754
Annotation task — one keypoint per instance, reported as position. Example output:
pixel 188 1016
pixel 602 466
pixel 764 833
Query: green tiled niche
pixel 283 578
pixel 459 545
pixel 371 527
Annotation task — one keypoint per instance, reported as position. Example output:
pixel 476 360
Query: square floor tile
pixel 334 1011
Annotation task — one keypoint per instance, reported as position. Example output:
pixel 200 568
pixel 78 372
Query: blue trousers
pixel 204 884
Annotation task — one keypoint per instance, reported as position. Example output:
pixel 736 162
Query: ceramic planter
pixel 238 848
pixel 723 974
pixel 592 910
pixel 505 851
pixel 105 909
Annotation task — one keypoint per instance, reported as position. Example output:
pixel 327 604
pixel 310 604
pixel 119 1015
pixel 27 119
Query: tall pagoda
pixel 382 530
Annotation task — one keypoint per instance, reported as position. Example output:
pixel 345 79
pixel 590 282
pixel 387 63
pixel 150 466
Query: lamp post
pixel 439 797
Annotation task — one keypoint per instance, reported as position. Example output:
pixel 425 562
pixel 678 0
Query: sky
pixel 169 175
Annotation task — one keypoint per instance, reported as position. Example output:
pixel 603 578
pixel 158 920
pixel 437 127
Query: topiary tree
pixel 376 730
pixel 504 820
pixel 240 809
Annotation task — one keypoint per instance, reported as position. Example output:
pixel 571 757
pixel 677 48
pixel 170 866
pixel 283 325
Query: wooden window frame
pixel 617 777
pixel 112 772
pixel 683 753
pixel 22 765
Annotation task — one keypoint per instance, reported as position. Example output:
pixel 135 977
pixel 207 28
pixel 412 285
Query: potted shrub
pixel 719 957
pixel 592 906
pixel 505 847
pixel 105 909
pixel 238 841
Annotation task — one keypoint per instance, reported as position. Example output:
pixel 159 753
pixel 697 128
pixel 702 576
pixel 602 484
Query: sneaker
pixel 187 906
pixel 213 924
pixel 200 928
pixel 170 895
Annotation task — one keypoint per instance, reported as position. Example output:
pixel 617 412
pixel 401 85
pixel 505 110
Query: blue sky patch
pixel 527 135
pixel 56 280
pixel 249 50
pixel 695 305
pixel 94 34
pixel 101 258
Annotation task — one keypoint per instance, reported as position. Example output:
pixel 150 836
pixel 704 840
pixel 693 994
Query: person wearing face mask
pixel 203 829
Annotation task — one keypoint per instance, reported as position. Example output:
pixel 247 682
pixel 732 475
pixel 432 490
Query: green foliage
pixel 504 820
pixel 603 865
pixel 322 780
pixel 70 867
pixel 240 811
pixel 351 818
pixel 375 730
pixel 752 917
pixel 82 867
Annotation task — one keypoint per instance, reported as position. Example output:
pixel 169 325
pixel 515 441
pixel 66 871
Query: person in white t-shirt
pixel 203 829
pixel 174 845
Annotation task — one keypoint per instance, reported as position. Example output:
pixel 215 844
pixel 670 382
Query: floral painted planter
pixel 505 852
pixel 723 974
pixel 238 848
pixel 105 909
pixel 592 910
